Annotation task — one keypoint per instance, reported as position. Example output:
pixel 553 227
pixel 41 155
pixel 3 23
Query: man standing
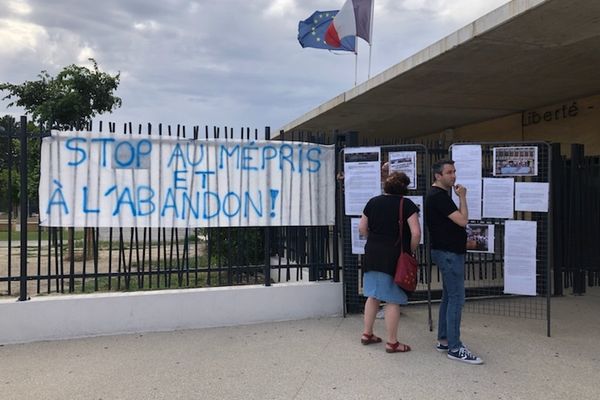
pixel 446 224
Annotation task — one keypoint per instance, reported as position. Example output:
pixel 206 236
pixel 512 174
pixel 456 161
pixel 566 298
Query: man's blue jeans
pixel 452 266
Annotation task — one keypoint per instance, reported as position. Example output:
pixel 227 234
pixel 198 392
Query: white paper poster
pixel 362 177
pixel 405 161
pixel 467 161
pixel 498 197
pixel 418 200
pixel 520 244
pixel 107 180
pixel 358 240
pixel 532 196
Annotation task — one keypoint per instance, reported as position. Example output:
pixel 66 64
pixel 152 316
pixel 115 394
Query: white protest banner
pixel 108 180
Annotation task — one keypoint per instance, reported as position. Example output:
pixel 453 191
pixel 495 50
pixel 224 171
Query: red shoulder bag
pixel 406 266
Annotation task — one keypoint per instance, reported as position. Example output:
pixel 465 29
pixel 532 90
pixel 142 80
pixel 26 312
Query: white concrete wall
pixel 73 316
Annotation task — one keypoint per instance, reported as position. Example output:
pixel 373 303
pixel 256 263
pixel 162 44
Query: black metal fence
pixel 486 273
pixel 352 265
pixel 576 196
pixel 37 260
pixel 568 248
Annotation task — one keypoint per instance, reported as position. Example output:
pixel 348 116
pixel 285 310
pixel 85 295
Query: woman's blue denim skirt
pixel 382 287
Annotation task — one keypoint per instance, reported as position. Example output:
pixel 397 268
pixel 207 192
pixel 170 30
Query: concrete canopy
pixel 523 55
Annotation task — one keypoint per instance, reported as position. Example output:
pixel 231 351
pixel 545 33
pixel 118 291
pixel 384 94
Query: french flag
pixel 354 19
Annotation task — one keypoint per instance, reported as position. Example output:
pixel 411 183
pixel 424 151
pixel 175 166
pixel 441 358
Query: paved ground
pixel 319 359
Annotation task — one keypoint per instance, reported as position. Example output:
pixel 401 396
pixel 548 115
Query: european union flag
pixel 311 32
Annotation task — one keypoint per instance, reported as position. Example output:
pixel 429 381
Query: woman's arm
pixel 363 226
pixel 415 232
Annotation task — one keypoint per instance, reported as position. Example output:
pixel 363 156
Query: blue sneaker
pixel 464 355
pixel 441 347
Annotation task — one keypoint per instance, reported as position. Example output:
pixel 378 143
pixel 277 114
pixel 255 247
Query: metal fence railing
pixel 35 260
pixel 576 196
pixel 484 272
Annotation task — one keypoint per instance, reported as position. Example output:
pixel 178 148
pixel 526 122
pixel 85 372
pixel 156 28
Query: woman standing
pixel 379 223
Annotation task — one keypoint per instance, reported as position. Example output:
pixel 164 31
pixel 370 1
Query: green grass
pixel 159 282
pixel 33 235
pixel 162 279
pixel 106 284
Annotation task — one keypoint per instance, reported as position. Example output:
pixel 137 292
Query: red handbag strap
pixel 401 224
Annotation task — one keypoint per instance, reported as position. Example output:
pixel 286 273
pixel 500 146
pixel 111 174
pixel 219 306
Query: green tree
pixel 9 160
pixel 9 153
pixel 70 99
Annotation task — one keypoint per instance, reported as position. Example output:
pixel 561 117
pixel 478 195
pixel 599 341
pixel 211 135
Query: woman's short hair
pixel 396 183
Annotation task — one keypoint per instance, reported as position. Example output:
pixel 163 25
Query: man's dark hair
pixel 438 166
pixel 396 183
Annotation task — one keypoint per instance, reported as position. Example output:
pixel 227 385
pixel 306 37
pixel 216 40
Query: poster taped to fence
pixel 520 244
pixel 108 180
pixel 498 197
pixel 516 161
pixel 467 161
pixel 418 200
pixel 362 177
pixel 480 238
pixel 405 161
pixel 532 196
pixel 358 241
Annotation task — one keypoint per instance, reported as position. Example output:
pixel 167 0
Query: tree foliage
pixel 10 150
pixel 72 98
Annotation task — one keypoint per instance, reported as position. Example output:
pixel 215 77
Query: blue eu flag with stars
pixel 311 32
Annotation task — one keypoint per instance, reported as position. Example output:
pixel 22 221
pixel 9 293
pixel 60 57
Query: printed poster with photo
pixel 516 161
pixel 480 238
pixel 405 161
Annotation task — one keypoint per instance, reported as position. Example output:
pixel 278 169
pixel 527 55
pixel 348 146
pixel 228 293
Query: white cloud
pixel 84 55
pixel 151 26
pixel 233 62
pixel 19 7
pixel 279 8
pixel 18 36
pixel 193 7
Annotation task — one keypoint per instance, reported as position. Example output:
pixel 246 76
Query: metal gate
pixel 484 272
pixel 352 270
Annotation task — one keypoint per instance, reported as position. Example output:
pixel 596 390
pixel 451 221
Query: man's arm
pixel 363 225
pixel 461 216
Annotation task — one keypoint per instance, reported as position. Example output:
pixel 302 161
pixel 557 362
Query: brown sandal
pixel 369 339
pixel 395 347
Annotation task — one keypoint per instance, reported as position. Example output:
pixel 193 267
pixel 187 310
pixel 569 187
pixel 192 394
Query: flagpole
pixel 356 66
pixel 369 72
pixel 371 37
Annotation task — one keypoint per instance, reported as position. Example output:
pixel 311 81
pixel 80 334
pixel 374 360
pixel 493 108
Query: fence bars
pixel 98 259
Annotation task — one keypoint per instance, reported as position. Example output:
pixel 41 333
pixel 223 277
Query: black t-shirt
pixel 383 212
pixel 445 234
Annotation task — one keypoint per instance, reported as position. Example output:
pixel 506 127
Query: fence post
pixel 557 184
pixel 576 215
pixel 350 261
pixel 24 211
pixel 267 232
pixel 338 226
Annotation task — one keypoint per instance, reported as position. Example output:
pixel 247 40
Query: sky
pixel 234 63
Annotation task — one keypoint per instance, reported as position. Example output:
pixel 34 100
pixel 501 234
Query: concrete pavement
pixel 318 359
